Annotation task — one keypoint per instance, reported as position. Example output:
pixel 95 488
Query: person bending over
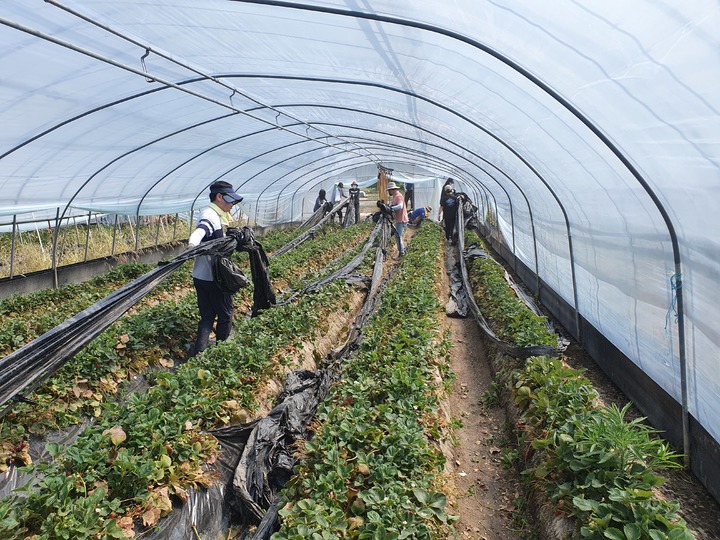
pixel 419 215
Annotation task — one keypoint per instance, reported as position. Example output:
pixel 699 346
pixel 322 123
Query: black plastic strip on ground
pixel 267 442
pixel 507 348
pixel 26 368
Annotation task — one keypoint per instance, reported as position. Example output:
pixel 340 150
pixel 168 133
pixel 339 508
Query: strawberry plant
pixel 509 317
pixel 594 465
pixel 370 470
pixel 605 476
pixel 149 449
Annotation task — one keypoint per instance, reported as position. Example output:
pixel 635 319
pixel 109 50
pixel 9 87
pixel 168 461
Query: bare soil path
pixel 485 491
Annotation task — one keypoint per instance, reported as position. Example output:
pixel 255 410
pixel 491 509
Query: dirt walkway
pixel 485 490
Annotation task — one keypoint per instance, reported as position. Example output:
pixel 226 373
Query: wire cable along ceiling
pixel 590 129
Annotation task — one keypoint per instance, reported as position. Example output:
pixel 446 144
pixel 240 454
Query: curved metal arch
pixel 308 140
pixel 435 104
pixel 482 184
pixel 471 152
pixel 334 170
pixel 585 121
pixel 350 167
pixel 252 158
pixel 507 195
pixel 257 206
pixel 431 163
pixel 214 147
pixel 149 49
pixel 433 159
pixel 79 117
pixel 481 188
pixel 202 153
pixel 293 171
pixel 61 216
pixel 438 146
pixel 385 133
pixel 147 76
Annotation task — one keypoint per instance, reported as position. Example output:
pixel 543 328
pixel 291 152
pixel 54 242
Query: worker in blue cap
pixel 213 304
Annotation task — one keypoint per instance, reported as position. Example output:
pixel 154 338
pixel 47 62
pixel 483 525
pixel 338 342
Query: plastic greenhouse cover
pixel 589 130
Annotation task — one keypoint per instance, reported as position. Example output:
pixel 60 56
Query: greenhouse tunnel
pixel 587 134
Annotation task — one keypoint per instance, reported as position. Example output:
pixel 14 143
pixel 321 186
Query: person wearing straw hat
pixel 397 204
pixel 339 195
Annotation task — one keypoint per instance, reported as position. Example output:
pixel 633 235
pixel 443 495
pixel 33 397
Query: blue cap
pixel 227 190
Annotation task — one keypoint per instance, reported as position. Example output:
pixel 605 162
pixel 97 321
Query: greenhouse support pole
pixel 87 237
pixel 683 363
pixel 112 249
pixel 157 230
pixel 137 229
pixel 77 233
pixel 42 247
pixel 12 245
pixel 177 216
pixel 54 248
pixel 130 225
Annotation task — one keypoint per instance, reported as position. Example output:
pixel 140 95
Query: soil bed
pixel 486 493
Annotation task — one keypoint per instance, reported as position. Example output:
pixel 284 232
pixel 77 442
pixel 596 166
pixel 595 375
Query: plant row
pixel 593 464
pixel 372 468
pixel 144 452
pixel 509 317
pixel 153 334
pixel 25 317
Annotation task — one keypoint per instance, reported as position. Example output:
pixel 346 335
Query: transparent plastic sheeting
pixel 588 130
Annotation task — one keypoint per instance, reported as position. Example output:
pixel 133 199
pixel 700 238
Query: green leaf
pixel 438 500
pixel 585 505
pixel 614 534
pixel 680 533
pixel 425 513
pixel 632 531
pixel 421 495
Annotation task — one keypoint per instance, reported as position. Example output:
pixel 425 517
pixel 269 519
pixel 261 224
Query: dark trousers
pixel 450 218
pixel 212 304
